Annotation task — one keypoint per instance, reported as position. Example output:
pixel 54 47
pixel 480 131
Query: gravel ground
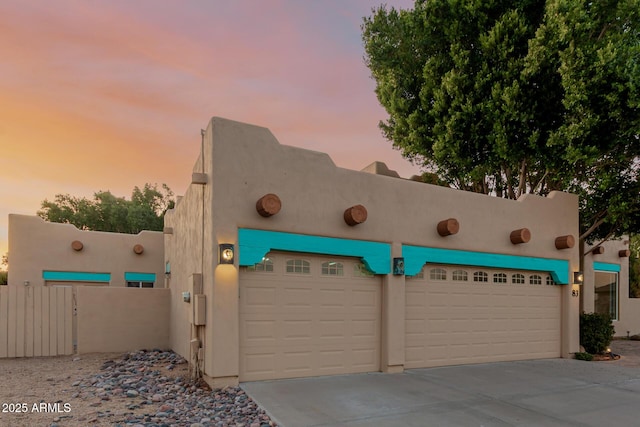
pixel 145 388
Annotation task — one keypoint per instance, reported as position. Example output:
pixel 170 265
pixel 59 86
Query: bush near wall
pixel 3 277
pixel 596 332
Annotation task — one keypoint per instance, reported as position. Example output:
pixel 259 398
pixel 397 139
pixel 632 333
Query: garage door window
pixel 480 276
pixel 606 293
pixel 499 278
pixel 332 268
pixel 550 281
pixel 535 280
pixel 438 274
pixel 460 276
pixel 517 278
pixel 265 265
pixel 299 266
pixel 420 275
pixel 360 270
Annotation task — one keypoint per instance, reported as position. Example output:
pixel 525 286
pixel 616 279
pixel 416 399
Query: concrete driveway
pixel 555 392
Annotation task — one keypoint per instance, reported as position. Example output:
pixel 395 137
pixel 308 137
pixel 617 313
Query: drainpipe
pixel 196 342
pixel 581 263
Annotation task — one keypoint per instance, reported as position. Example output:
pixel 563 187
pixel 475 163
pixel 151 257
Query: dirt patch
pixel 39 391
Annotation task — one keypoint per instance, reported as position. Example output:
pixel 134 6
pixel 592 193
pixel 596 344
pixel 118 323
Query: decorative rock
pixel 138 249
pixel 355 215
pixel 565 242
pixel 624 253
pixel 268 205
pixel 522 235
pixel 448 227
pixel 77 245
pixel 165 401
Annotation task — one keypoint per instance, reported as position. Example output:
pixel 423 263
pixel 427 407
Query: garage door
pixel 457 315
pixel 303 315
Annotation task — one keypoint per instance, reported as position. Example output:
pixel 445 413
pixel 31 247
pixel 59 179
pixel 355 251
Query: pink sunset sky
pixel 110 94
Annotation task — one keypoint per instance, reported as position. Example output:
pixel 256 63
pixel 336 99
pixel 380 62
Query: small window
pixel 550 281
pixel 360 270
pixel 460 276
pixel 139 284
pixel 517 278
pixel 298 266
pixel 332 268
pixel 480 276
pixel 265 265
pixel 438 274
pixel 499 278
pixel 535 280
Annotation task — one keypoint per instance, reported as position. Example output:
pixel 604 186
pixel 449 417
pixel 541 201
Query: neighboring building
pixel 281 264
pixel 606 270
pixel 46 253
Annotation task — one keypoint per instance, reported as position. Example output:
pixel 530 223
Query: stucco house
pixel 58 254
pixel 280 264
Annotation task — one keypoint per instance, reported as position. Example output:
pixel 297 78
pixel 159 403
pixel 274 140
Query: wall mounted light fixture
pixel 578 278
pixel 398 266
pixel 226 253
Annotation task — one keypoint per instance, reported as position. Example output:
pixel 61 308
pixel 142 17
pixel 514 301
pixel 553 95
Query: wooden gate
pixel 36 321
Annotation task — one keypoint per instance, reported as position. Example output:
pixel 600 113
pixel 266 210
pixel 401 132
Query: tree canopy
pixel 512 97
pixel 106 212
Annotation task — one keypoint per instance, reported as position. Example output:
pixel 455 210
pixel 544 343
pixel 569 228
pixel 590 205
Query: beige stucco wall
pixel 36 245
pixel 628 308
pixel 184 247
pixel 122 319
pixel 244 162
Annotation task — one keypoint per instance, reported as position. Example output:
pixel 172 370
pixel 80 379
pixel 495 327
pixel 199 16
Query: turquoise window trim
pixel 76 276
pixel 416 256
pixel 255 244
pixel 139 277
pixel 605 266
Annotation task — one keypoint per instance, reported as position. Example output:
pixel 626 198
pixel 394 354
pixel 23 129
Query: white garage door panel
pixel 450 322
pixel 295 325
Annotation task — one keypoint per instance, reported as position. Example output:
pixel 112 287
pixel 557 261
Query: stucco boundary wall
pixel 122 319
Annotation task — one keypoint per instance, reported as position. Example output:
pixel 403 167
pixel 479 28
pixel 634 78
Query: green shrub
pixel 584 356
pixel 3 277
pixel 596 332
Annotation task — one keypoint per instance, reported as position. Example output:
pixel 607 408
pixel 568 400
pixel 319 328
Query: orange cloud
pixel 105 95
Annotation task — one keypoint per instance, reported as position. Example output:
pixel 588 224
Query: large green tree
pixel 514 97
pixel 106 212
